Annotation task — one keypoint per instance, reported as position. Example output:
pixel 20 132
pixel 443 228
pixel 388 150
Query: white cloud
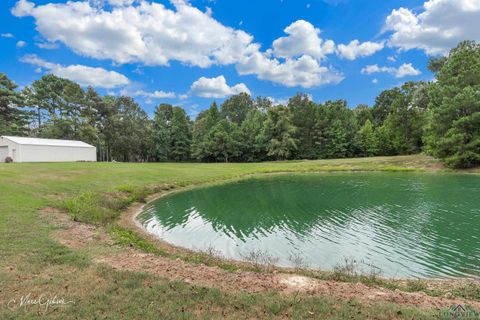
pixel 404 70
pixel 392 59
pixel 155 94
pixel 304 71
pixel 84 75
pixel 7 35
pixel 21 44
pixel 216 88
pixel 375 81
pixel 47 45
pixel 355 49
pixel 148 33
pixel 303 39
pixel 294 60
pixel 441 25
pixel 151 34
pixel 120 3
pixel 277 102
pixel 23 8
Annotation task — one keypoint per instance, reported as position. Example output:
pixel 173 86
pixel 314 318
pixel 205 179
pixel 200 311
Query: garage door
pixel 3 153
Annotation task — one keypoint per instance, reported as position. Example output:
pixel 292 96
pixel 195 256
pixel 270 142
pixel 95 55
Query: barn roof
pixel 48 142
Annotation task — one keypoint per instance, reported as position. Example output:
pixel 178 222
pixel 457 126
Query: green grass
pixel 32 262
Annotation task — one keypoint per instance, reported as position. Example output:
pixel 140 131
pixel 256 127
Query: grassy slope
pixel 32 262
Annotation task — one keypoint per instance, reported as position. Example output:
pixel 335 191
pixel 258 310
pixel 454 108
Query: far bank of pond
pixel 405 224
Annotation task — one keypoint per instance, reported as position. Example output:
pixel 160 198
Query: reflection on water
pixel 409 225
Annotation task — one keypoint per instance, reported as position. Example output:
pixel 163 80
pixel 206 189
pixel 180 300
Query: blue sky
pixel 190 53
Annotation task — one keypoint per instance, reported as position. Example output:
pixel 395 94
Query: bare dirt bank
pixel 77 235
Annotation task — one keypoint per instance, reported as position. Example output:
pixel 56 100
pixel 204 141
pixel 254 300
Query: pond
pixel 409 225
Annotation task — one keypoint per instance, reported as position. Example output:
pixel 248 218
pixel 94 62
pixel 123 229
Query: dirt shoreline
pixel 76 235
pixel 284 280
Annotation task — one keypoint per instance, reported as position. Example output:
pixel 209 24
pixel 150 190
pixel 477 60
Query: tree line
pixel 441 118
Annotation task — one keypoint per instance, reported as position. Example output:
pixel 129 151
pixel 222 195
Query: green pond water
pixel 406 224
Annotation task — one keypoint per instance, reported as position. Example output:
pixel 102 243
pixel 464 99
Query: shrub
pixel 260 259
pixel 8 160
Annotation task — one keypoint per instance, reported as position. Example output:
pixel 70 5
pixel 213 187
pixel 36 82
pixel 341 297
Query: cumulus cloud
pixel 303 39
pixel 276 101
pixel 216 88
pixel 155 94
pixel 151 34
pixel 294 60
pixel 23 8
pixel 441 25
pixel 21 44
pixel 148 33
pixel 404 70
pixel 355 49
pixel 47 45
pixel 304 71
pixel 84 75
pixel 121 2
pixel 7 35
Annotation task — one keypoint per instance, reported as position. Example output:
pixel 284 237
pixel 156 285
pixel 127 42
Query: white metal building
pixel 45 150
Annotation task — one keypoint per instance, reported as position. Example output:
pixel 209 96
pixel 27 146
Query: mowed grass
pixel 32 262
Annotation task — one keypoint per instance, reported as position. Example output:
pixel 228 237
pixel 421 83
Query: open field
pixel 39 255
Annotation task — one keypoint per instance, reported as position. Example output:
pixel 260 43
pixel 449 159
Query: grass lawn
pixel 33 262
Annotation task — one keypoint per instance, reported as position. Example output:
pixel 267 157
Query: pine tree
pixel 367 140
pixel 453 130
pixel 13 120
pixel 161 135
pixel 180 136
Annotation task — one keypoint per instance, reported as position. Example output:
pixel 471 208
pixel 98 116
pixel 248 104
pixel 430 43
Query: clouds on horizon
pixel 216 88
pixel 84 75
pixel 404 70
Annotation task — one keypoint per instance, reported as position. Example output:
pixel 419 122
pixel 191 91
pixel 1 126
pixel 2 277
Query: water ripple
pixel 408 225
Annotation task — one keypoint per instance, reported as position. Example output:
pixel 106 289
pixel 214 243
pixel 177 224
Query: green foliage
pixel 235 109
pixel 130 238
pixel 171 134
pixel 453 130
pixel 180 135
pixel 416 285
pixel 13 119
pixel 252 146
pixel 161 133
pixel 278 133
pixel 302 111
pixel 338 129
pixel 468 291
pixel 222 141
pixel 367 139
pixel 205 121
pixel 87 207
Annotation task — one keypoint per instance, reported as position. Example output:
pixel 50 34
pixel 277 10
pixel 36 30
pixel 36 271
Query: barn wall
pixel 11 147
pixel 34 153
